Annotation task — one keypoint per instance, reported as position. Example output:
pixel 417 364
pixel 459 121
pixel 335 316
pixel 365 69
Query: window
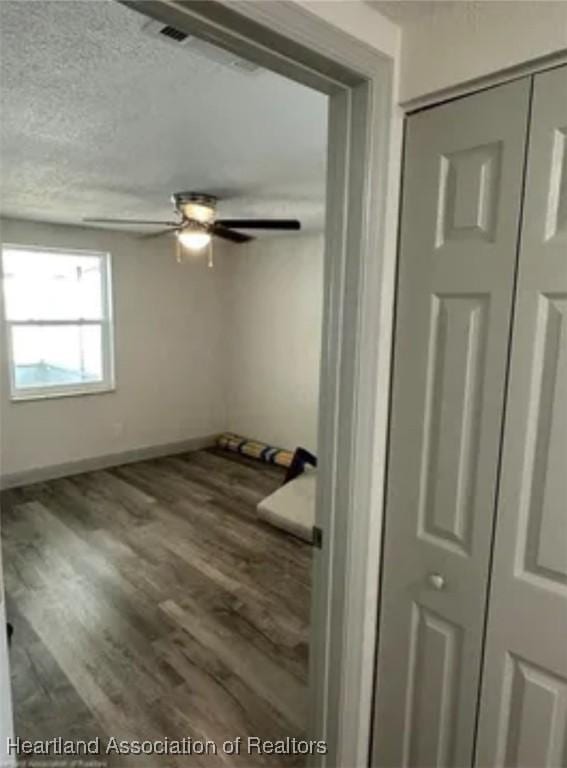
pixel 59 322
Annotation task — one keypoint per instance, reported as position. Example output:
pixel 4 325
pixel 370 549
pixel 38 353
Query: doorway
pixel 359 267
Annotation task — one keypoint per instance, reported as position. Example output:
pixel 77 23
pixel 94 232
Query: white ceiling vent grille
pixel 169 34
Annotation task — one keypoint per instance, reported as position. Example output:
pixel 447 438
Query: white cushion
pixel 292 507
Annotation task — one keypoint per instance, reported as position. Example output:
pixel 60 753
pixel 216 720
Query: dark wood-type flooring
pixel 149 602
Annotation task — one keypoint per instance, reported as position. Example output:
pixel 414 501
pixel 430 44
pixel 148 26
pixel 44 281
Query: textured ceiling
pixel 99 119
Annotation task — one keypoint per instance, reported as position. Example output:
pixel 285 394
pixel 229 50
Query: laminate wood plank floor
pixel 149 602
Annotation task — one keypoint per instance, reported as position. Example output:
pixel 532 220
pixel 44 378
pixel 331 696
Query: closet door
pixel 460 218
pixel 523 715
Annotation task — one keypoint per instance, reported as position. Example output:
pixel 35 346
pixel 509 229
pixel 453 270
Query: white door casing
pixel 460 217
pixel 523 713
pixel 6 722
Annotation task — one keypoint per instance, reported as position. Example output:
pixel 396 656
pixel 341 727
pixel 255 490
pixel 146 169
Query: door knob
pixel 436 581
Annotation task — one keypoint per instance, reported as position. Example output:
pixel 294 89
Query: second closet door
pixel 523 714
pixel 461 207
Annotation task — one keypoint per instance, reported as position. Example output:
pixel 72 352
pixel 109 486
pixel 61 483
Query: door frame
pixel 360 256
pixel 364 155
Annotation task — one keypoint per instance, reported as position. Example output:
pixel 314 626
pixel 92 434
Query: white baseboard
pixel 54 471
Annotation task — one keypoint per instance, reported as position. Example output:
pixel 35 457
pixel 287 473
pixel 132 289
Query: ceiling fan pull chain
pixel 210 254
pixel 178 254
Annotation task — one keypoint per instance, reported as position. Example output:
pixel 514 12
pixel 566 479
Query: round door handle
pixel 436 581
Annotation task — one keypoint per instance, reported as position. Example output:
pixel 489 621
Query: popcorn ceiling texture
pixel 99 119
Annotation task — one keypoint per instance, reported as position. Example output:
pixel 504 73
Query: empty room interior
pixel 158 386
pixel 283 383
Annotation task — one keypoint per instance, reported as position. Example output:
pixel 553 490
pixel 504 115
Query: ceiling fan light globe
pixel 194 240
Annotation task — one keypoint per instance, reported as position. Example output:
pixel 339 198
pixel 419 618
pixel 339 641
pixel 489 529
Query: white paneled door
pixel 523 712
pixel 460 221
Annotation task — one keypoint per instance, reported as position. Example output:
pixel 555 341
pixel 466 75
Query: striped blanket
pixel 255 449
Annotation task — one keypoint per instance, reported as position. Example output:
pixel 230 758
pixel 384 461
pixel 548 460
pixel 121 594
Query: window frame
pixel 106 323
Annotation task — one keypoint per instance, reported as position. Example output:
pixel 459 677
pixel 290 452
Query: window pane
pixel 54 356
pixel 45 285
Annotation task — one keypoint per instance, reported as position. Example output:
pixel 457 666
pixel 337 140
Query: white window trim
pixel 106 323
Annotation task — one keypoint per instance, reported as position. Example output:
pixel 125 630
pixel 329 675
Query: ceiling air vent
pixel 174 34
pixel 198 47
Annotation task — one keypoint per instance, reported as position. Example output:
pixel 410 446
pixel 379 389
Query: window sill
pixel 33 396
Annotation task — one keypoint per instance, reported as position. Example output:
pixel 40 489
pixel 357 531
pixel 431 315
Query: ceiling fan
pixel 198 223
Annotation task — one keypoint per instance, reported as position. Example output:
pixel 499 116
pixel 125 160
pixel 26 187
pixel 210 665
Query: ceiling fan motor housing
pixel 196 206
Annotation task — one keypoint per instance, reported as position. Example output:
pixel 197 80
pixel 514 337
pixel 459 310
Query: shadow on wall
pixel 274 290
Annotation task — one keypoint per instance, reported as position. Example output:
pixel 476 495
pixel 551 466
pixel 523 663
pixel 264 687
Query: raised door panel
pixel 535 714
pixel 456 355
pixel 523 713
pixel 435 661
pixel 461 209
pixel 544 552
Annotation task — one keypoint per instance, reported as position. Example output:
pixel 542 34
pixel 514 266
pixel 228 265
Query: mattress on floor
pixel 292 507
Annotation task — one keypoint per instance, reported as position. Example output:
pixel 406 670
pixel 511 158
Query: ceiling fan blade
pixel 289 224
pixel 132 221
pixel 162 232
pixel 227 234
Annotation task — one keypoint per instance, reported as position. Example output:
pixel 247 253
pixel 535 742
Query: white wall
pixel 450 43
pixel 198 351
pixel 274 294
pixel 169 362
